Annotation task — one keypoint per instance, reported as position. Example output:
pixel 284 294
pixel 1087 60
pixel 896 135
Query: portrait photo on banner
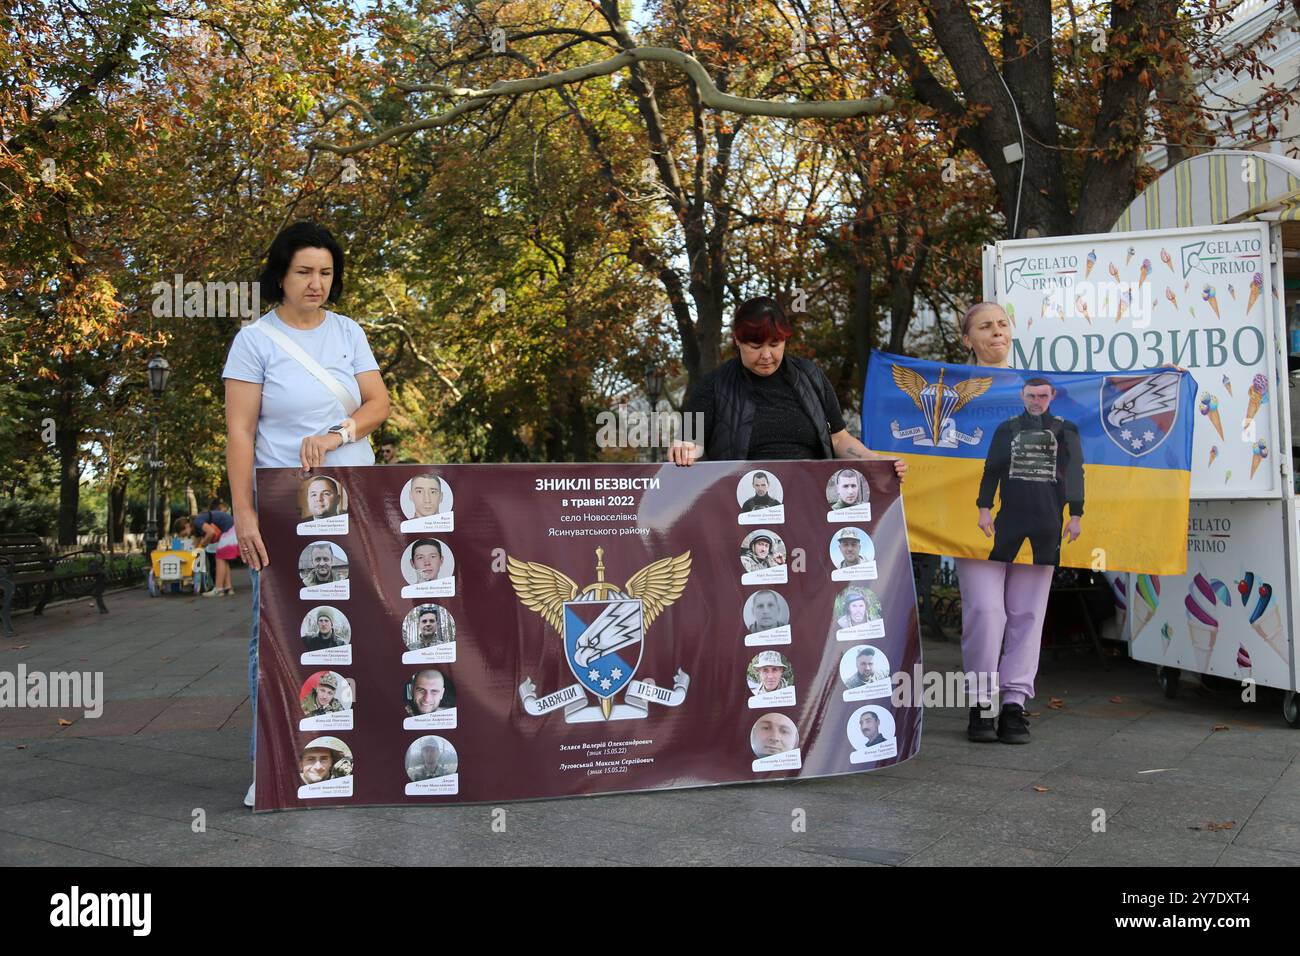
pixel 1081 469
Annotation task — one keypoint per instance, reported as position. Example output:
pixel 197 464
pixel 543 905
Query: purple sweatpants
pixel 1002 611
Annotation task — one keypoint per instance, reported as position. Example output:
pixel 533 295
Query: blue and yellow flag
pixel 1084 469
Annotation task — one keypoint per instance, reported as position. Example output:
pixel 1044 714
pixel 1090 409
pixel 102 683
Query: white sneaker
pixel 248 797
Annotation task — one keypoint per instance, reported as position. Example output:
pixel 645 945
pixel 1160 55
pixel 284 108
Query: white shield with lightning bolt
pixel 603 643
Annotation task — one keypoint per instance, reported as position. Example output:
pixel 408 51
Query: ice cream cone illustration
pixel 1258 452
pixel 1269 627
pixel 1169 294
pixel 1243 661
pixel 1146 598
pixel 1119 593
pixel 1227 476
pixel 1221 592
pixel 1256 287
pixel 1232 291
pixel 1011 313
pixel 1208 294
pixel 1209 406
pixel 1256 397
pixel 1128 257
pixel 1227 384
pixel 1082 305
pixel 1114 273
pixel 1266 616
pixel 1144 272
pixel 1092 261
pixel 1214 453
pixel 1202 604
pixel 1164 257
pixel 1124 301
pixel 1203 637
pixel 1167 636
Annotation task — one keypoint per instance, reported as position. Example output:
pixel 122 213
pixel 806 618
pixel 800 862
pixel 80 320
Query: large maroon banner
pixel 465 633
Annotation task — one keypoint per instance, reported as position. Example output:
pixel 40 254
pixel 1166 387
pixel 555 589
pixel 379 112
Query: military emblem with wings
pixel 602 624
pixel 939 402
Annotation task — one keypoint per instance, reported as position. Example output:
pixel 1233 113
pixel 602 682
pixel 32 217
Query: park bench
pixel 26 561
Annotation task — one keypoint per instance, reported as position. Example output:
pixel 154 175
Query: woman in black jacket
pixel 764 405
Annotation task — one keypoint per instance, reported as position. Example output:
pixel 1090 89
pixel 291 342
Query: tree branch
pixel 709 95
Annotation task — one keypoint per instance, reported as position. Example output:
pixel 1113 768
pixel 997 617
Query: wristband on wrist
pixel 346 430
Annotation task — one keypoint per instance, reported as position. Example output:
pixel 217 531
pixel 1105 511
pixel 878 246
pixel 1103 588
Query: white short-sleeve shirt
pixel 294 403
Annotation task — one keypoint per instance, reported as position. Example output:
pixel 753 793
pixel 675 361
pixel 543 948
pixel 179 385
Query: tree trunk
pixel 862 308
pixel 66 441
pixel 117 511
pixel 900 311
pixel 578 437
pixel 164 512
pixel 555 427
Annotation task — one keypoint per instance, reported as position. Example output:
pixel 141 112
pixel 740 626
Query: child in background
pixel 201 580
pixel 202 576
pixel 182 534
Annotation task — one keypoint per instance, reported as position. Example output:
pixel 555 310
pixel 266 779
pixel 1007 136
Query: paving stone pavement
pixel 1203 780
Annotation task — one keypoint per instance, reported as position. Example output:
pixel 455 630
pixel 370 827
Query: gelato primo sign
pixel 1137 301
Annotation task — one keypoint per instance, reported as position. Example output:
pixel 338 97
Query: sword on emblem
pixel 621 623
pixel 938 402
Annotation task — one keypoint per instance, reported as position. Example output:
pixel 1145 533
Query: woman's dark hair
pixel 761 319
pixel 301 235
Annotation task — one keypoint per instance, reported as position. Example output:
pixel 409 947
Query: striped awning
pixel 1224 185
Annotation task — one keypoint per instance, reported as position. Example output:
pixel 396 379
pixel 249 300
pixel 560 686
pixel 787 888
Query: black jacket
pixel 1045 496
pixel 734 407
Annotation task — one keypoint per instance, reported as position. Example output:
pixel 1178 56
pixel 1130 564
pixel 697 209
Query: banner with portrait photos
pixel 463 633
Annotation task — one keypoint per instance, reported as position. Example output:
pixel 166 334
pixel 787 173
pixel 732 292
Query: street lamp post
pixel 654 387
pixel 158 370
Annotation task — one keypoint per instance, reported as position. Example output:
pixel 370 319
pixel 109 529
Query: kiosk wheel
pixel 1291 708
pixel 1168 677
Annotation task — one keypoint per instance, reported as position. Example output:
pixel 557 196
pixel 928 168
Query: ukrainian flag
pixel 1136 434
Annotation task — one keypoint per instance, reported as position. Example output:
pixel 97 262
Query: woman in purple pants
pixel 1002 604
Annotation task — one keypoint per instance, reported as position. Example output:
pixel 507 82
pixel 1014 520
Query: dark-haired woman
pixel 764 405
pixel 284 412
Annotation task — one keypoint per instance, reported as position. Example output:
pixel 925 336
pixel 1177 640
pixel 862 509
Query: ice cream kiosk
pixel 1202 270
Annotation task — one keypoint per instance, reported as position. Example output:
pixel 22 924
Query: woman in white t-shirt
pixel 278 414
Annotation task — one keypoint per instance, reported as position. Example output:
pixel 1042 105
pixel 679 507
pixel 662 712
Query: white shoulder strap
pixel 317 370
